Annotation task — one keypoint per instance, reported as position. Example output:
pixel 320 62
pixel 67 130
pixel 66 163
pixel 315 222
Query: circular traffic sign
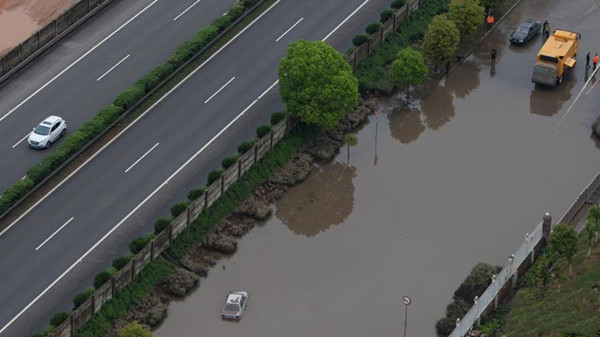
pixel 406 300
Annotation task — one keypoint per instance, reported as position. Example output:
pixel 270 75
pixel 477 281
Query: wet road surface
pixel 457 180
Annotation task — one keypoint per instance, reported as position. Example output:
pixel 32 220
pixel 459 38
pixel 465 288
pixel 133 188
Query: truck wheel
pixel 559 79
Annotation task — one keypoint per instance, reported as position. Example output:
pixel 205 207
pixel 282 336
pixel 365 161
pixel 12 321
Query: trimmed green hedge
pixel 179 208
pixel 245 146
pixel 386 15
pixel 139 243
pixel 277 117
pixel 103 276
pixel 196 193
pixel 214 175
pixel 229 161
pixel 82 296
pixel 161 224
pixel 360 39
pixel 372 28
pixel 126 298
pixel 121 261
pixel 263 130
pixel 397 4
pixel 58 318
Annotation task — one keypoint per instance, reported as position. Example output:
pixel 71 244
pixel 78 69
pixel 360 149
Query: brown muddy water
pixel 428 193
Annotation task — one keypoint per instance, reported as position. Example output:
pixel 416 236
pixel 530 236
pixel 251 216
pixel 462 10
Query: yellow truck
pixel 555 58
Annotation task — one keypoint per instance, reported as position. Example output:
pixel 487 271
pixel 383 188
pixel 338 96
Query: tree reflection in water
pixel 324 199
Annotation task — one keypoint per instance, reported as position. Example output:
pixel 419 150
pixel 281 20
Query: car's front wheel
pixel 48 143
pixel 63 132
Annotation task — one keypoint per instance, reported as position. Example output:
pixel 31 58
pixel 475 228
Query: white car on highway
pixel 47 132
pixel 234 305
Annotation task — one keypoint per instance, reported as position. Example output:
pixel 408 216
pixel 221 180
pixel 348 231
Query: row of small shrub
pixel 124 101
pixel 372 73
pixel 375 26
pixel 150 276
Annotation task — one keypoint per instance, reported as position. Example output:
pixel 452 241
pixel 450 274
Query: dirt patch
pixel 22 18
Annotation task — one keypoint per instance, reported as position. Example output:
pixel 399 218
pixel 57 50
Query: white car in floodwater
pixel 234 305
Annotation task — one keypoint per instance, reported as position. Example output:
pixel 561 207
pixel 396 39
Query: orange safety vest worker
pixel 595 59
pixel 490 19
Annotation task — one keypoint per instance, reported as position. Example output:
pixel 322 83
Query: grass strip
pixel 126 299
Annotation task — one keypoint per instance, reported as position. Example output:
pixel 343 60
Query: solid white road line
pixel 187 9
pixel 51 236
pixel 22 139
pixel 76 61
pixel 345 20
pixel 218 91
pixel 142 157
pixel 164 183
pixel 287 31
pixel 576 98
pixel 113 67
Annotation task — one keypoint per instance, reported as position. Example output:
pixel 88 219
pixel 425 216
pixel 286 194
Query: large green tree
pixel 467 15
pixel 316 83
pixel 440 40
pixel 408 69
pixel 563 242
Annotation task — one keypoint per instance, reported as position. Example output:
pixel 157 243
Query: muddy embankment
pixel 222 240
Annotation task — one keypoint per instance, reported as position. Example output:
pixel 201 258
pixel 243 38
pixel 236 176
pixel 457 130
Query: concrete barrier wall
pixel 161 242
pixel 46 37
pixel 521 260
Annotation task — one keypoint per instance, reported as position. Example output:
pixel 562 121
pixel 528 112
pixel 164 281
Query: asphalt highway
pixel 56 247
pixel 87 70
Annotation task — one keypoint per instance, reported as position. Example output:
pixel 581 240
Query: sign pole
pixel 407 302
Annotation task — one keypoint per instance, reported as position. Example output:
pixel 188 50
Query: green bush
pixel 235 11
pixel 196 193
pixel 128 97
pixel 397 4
pixel 15 192
pixel 190 47
pixel 248 3
pixel 227 162
pixel 222 22
pixel 277 117
pixel 121 261
pixel 138 244
pixel 60 317
pixel 360 39
pixel 245 146
pixel 161 224
pixel 263 130
pixel 103 276
pixel 82 296
pixel 373 28
pixel 155 76
pixel 386 15
pixel 179 208
pixel 125 299
pixel 214 175
pixel 372 73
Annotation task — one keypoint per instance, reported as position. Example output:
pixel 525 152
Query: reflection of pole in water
pixel 376 128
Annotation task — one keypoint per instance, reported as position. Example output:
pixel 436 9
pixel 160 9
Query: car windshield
pixel 42 130
pixel 232 308
pixel 523 29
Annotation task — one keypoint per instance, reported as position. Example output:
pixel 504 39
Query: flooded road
pixel 427 194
